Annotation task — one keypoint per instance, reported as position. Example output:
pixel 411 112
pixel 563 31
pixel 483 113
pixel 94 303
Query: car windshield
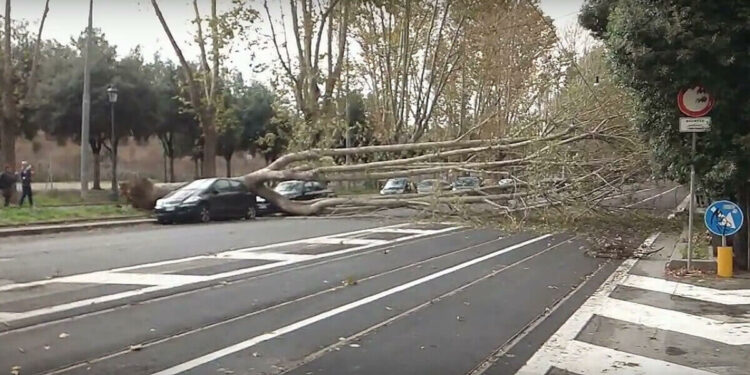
pixel 289 187
pixel 395 183
pixel 199 184
pixel 467 181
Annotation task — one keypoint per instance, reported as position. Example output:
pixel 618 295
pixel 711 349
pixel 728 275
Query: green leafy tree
pixel 175 127
pixel 660 47
pixel 135 110
pixel 248 112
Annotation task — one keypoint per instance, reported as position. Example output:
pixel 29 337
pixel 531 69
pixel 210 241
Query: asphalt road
pixel 293 296
pixel 317 296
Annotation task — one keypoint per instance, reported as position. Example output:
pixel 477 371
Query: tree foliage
pixel 660 48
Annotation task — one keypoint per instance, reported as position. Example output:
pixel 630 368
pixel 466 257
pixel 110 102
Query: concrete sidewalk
pixel 645 321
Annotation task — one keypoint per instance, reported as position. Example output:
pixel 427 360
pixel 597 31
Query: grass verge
pixel 25 215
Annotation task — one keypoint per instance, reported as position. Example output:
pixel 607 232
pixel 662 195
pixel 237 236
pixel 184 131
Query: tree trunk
pixel 741 239
pixel 229 164
pixel 166 175
pixel 97 169
pixel 8 144
pixel 209 148
pixel 196 170
pixel 171 168
pixel 9 123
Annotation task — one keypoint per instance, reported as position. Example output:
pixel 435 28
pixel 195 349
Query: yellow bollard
pixel 724 261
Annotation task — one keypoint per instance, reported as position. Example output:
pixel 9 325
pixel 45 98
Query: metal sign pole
pixel 692 206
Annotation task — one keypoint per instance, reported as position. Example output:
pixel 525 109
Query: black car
pixel 205 200
pixel 296 191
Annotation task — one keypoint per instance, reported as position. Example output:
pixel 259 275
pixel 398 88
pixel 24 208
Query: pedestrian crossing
pixel 100 287
pixel 635 324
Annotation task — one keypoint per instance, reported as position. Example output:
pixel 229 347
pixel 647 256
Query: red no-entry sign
pixel 695 101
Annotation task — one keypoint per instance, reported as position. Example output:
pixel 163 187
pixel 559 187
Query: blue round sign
pixel 723 218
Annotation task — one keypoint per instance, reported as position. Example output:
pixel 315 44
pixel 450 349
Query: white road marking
pixel 135 278
pixel 725 297
pixel 157 282
pixel 6 317
pixel 188 259
pixel 587 359
pixel 556 345
pixel 563 351
pixel 653 197
pixel 405 230
pixel 333 312
pixel 266 256
pixel 345 241
pixel 670 320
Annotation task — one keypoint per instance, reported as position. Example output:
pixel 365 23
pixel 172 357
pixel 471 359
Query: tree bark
pixel 228 159
pixel 171 167
pixel 205 111
pixel 9 124
pixel 164 161
pixel 97 169
pixel 740 247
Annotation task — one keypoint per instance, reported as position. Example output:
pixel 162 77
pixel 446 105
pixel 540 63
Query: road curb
pixel 71 227
pixel 71 221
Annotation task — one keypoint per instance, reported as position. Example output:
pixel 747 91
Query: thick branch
pixel 32 81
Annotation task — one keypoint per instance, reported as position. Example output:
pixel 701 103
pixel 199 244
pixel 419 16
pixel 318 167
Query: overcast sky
pixel 128 23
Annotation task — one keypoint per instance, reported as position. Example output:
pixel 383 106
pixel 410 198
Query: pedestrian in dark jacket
pixel 25 174
pixel 7 184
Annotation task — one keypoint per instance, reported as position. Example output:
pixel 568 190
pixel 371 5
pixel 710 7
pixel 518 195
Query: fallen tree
pixel 534 162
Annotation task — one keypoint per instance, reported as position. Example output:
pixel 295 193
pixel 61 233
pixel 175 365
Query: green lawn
pixel 26 215
pixel 70 197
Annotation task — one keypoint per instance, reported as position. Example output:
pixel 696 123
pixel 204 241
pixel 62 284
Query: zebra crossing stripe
pixel 670 320
pixel 583 358
pixel 724 297
pixel 563 351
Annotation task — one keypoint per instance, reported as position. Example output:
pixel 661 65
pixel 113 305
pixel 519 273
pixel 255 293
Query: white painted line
pixel 344 241
pixel 587 359
pixel 173 261
pixel 266 256
pixel 85 302
pixel 676 321
pixel 653 197
pixel 404 230
pixel 135 278
pixel 628 193
pixel 163 281
pixel 333 312
pixel 557 345
pixel 725 297
pixel 7 317
pixel 564 352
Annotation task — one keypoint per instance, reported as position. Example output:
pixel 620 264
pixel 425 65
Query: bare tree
pixel 204 86
pixel 320 33
pixel 14 102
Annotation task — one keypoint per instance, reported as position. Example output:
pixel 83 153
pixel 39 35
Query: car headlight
pixel 259 199
pixel 192 200
pixel 159 203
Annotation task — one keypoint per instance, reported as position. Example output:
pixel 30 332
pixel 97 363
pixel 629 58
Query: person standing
pixel 26 173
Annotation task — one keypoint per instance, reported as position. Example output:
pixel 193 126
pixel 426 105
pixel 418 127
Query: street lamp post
pixel 112 94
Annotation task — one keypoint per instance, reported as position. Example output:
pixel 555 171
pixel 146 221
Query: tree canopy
pixel 659 48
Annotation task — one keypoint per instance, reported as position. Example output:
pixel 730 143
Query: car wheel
pixel 251 213
pixel 204 215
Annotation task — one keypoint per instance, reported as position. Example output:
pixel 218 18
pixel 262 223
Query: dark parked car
pixel 296 191
pixel 400 185
pixel 205 200
pixel 467 183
